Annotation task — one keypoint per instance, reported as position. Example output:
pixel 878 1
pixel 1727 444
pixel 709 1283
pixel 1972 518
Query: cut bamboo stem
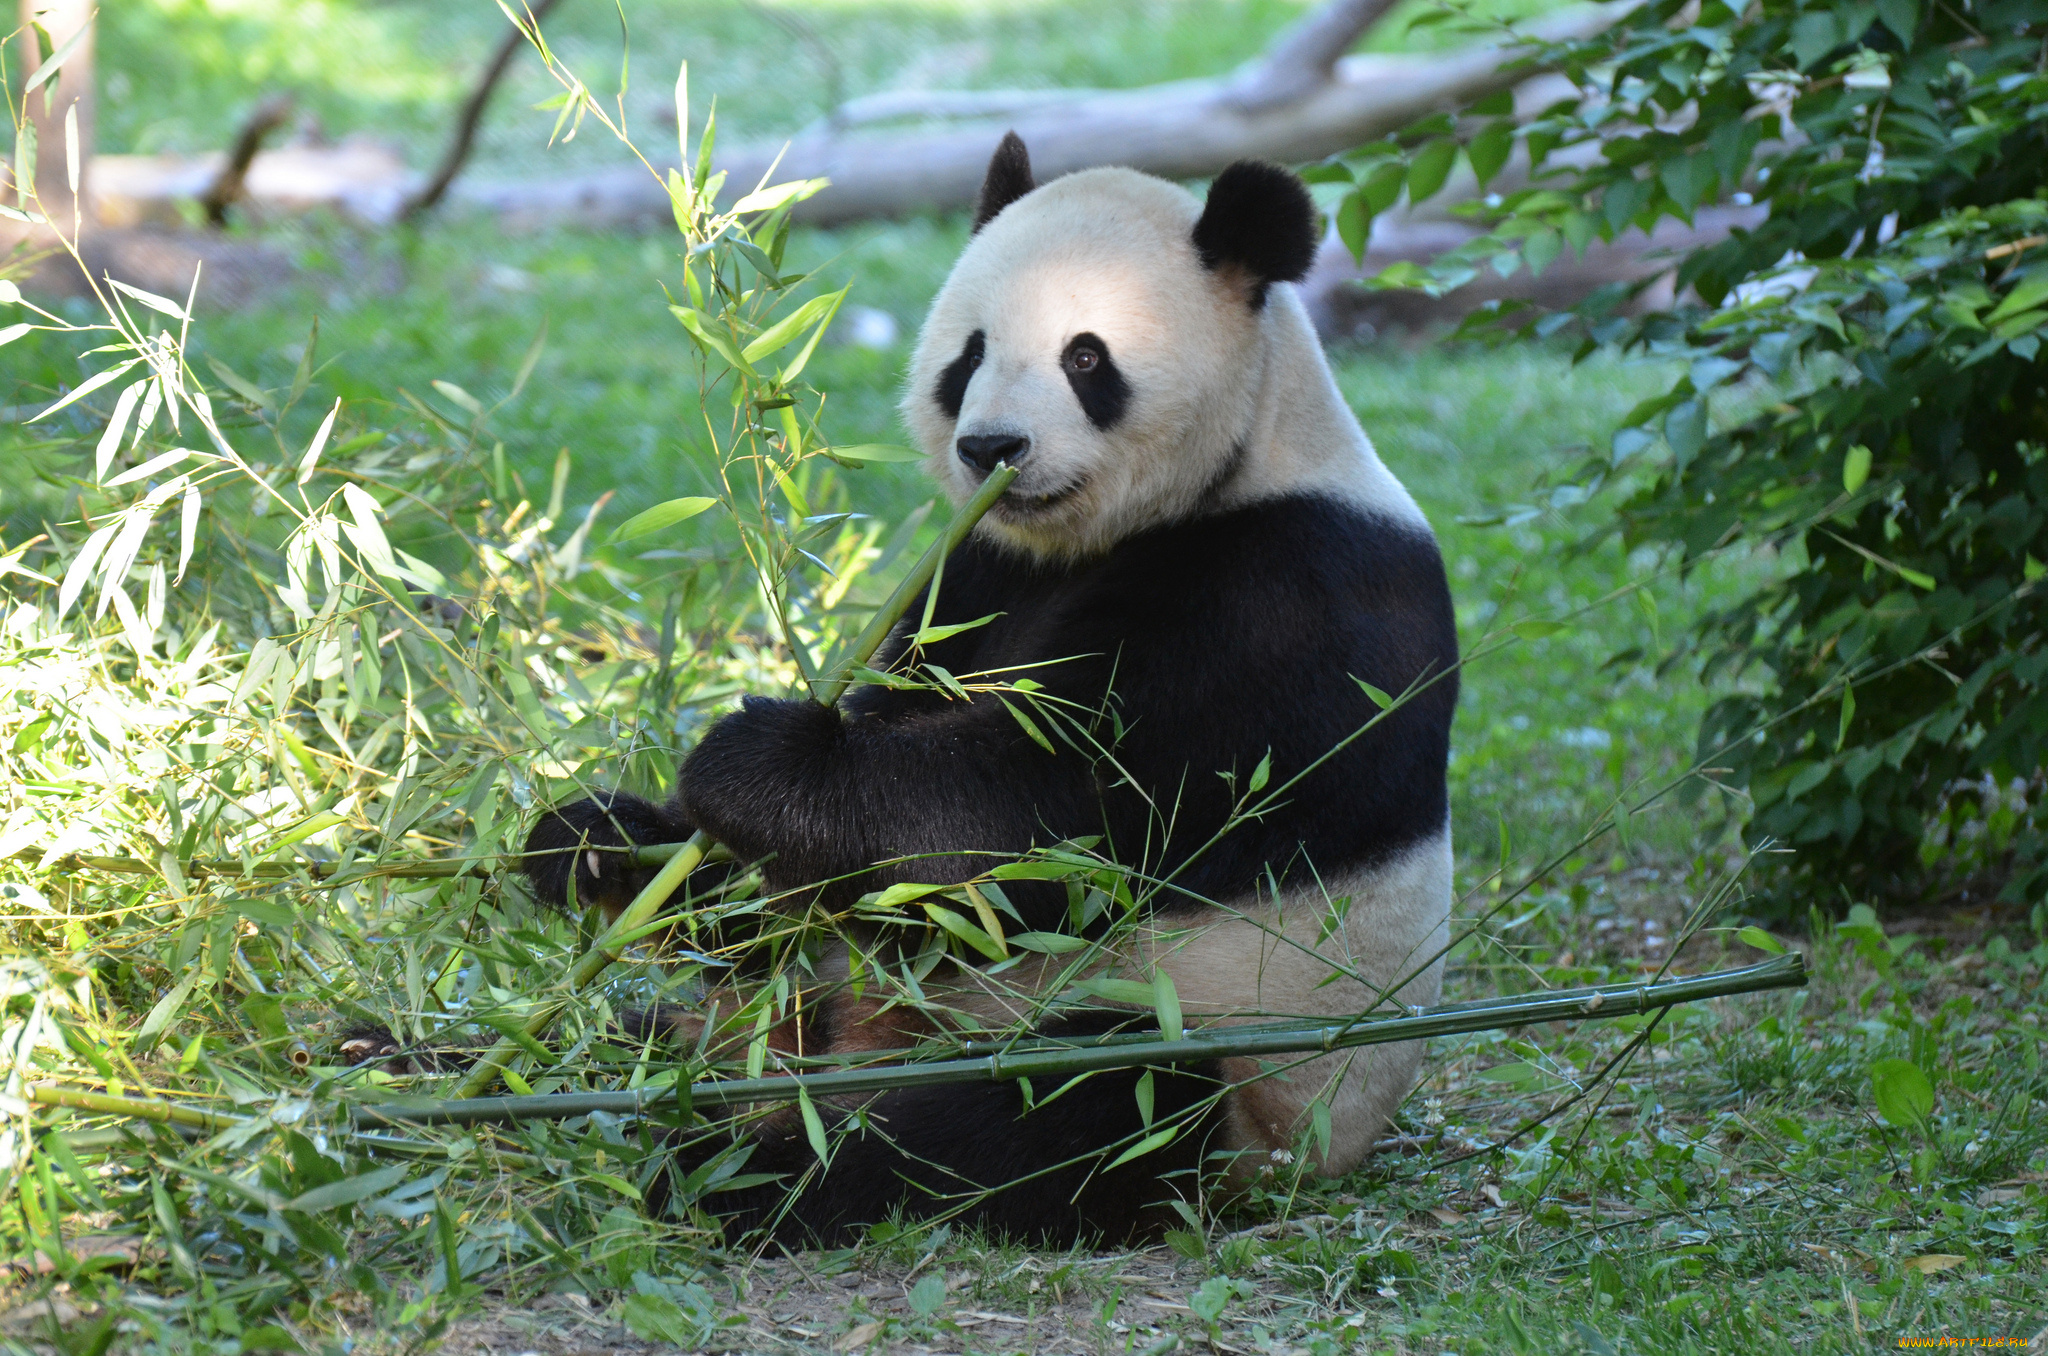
pixel 1038 1058
pixel 1062 1059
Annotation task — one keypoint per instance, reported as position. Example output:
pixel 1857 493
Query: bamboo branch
pixel 1065 1058
pixel 466 123
pixel 226 188
pixel 630 925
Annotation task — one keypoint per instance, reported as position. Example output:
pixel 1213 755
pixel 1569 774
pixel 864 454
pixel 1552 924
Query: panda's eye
pixel 1081 358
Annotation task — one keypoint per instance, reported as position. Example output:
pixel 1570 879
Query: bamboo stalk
pixel 630 924
pixel 650 854
pixel 830 689
pixel 137 1108
pixel 1064 1058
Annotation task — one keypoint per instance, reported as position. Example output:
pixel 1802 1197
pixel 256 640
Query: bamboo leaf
pixel 348 1190
pixel 696 323
pixel 50 68
pixel 1166 1001
pixel 967 932
pixel 779 334
pixel 768 199
pixel 873 452
pixel 319 444
pixel 87 387
pixel 150 299
pixel 110 441
pixel 161 462
pixel 1030 727
pixel 1158 1139
pixel 660 516
pixel 814 1127
pixel 1047 943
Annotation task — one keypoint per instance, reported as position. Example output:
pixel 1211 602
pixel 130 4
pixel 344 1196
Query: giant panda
pixel 1202 549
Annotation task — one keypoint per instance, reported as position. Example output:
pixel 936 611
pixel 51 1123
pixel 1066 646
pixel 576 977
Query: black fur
pixel 953 381
pixel 1261 219
pixel 1101 389
pixel 565 840
pixel 926 1150
pixel 1227 636
pixel 1008 179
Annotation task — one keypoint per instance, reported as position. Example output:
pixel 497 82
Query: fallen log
pixel 1300 102
pixel 1343 307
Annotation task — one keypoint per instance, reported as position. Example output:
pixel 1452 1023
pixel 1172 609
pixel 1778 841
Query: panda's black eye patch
pixel 953 381
pixel 1097 384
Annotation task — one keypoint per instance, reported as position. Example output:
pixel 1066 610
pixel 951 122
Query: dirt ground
pixel 790 1307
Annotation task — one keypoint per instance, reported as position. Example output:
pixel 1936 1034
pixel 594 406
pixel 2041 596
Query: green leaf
pixel 1142 1091
pixel 1490 150
pixel 1166 1002
pixel 1904 1096
pixel 874 452
pixel 1382 188
pixel 460 397
pixel 967 932
pixel 2033 569
pixel 1125 991
pixel 932 635
pixel 1685 429
pixel 814 1126
pixel 1430 168
pixel 898 895
pixel 2031 291
pixel 1264 771
pixel 1761 940
pixel 1029 726
pixel 1902 17
pixel 928 1296
pixel 1855 468
pixel 786 329
pixel 56 62
pixel 657 1318
pixel 701 329
pixel 1354 223
pixel 661 515
pixel 1158 1139
pixel 1536 629
pixel 348 1190
pixel 1379 698
pixel 1047 943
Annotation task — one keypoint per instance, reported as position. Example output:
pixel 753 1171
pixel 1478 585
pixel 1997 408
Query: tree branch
pixel 431 193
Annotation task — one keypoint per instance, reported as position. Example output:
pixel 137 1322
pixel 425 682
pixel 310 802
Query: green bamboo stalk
pixel 136 1108
pixel 483 868
pixel 1065 1058
pixel 630 924
pixel 833 683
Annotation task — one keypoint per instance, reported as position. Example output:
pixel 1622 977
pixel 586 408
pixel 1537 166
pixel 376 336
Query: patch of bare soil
pixel 1026 1302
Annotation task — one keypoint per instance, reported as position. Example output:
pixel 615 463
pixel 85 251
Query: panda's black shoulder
pixel 1302 558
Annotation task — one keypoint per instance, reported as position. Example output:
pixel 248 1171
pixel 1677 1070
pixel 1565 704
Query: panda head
pixel 1106 335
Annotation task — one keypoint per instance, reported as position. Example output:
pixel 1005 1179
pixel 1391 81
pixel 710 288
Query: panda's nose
pixel 983 450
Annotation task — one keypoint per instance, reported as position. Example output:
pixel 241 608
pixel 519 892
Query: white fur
pixel 1110 252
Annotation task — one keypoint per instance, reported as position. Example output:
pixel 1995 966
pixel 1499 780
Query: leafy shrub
pixel 1881 330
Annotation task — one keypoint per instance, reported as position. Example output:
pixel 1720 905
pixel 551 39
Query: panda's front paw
pixel 757 766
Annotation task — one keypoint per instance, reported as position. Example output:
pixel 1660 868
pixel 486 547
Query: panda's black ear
pixel 1259 222
pixel 1008 179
